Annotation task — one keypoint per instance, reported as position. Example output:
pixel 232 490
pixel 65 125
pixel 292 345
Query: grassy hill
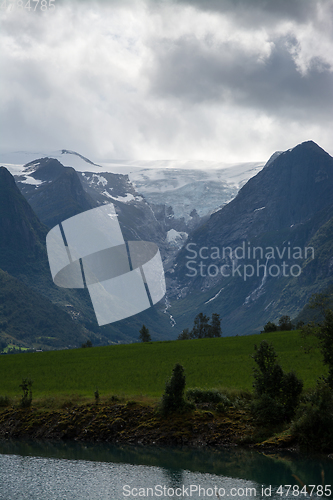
pixel 142 369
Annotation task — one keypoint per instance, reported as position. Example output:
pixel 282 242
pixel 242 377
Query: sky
pixel 213 80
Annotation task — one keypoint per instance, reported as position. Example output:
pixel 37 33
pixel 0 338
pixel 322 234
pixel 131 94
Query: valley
pixel 249 242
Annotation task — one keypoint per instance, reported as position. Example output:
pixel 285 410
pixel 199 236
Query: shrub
pixel 224 404
pixel 4 401
pixel 205 396
pixel 313 424
pixel 267 410
pixel 27 393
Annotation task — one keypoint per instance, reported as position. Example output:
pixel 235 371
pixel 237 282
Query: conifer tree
pixel 144 334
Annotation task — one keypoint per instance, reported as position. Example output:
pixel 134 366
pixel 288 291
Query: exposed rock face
pixel 22 234
pixel 283 207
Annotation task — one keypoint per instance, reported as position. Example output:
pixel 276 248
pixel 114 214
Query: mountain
pixel 54 192
pixel 280 223
pixel 262 254
pixel 26 317
pixel 29 320
pixel 23 255
pixel 22 234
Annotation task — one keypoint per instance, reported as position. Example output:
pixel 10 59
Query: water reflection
pixel 77 471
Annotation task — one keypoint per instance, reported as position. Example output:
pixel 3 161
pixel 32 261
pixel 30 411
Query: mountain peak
pixel 307 148
pixel 22 234
pixel 6 178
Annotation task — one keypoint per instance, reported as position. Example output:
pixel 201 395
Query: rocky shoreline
pixel 134 423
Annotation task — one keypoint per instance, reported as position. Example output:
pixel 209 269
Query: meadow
pixel 141 370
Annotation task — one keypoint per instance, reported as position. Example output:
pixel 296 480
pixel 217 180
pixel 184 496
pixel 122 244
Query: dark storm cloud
pixel 191 69
pixel 257 12
pixel 226 80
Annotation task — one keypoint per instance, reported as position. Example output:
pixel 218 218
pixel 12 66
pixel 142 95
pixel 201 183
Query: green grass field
pixel 142 369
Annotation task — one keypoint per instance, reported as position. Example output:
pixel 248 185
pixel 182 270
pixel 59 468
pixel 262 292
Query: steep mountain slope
pixel 23 255
pixel 22 234
pixel 28 319
pixel 273 240
pixel 54 192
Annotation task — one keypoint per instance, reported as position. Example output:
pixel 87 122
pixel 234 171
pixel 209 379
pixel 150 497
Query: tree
pixel 325 335
pixel 323 330
pixel 285 323
pixel 268 375
pixel 173 397
pixel 27 392
pixel 87 344
pixel 269 327
pixel 144 334
pixel 201 327
pixel 216 326
pixel 184 335
pixel 276 392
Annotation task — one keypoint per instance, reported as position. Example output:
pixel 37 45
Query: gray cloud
pixel 189 69
pixel 260 12
pixel 158 80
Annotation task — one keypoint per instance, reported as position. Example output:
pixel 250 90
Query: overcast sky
pixel 225 80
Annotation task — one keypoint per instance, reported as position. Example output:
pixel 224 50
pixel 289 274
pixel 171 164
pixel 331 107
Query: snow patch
pixel 32 181
pixel 125 199
pixel 176 238
pixel 215 296
pixel 101 180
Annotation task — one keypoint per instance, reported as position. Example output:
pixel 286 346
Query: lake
pixel 79 471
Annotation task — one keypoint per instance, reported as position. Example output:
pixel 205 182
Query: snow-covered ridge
pixel 183 185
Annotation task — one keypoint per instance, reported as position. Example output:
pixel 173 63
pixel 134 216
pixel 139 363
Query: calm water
pixel 58 471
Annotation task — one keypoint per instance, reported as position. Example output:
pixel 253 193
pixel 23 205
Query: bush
pixel 313 424
pixel 267 410
pixel 173 397
pixel 4 401
pixel 206 396
pixel 224 404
